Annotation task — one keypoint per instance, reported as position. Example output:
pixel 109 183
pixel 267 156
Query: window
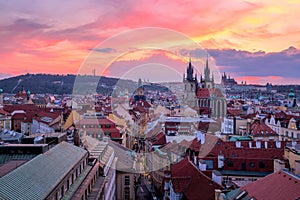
pixel 127 180
pixel 252 164
pixel 92 126
pixel 209 164
pixel 107 126
pixel 83 126
pixel 230 163
pixel 68 185
pixel 261 164
pixel 127 193
pixel 107 133
pixel 61 192
pixel 91 134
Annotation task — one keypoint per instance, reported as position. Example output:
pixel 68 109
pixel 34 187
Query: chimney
pixel 220 161
pixel 202 138
pixel 238 144
pixel 258 144
pixel 278 144
pixel 199 136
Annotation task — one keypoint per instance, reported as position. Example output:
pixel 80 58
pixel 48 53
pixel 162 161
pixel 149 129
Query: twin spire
pixel 190 71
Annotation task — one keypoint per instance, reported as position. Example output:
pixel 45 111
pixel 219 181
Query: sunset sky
pixel 256 41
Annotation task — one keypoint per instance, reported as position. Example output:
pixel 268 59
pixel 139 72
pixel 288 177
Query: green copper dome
pixel 291 94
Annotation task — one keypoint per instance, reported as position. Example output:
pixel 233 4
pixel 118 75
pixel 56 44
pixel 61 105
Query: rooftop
pixel 47 169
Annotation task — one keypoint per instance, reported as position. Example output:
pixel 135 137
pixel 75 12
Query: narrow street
pixel 143 191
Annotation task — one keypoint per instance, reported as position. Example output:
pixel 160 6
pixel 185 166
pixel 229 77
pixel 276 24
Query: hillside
pixel 63 84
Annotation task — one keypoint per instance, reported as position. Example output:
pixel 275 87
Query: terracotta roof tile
pixel 203 93
pixel 259 128
pixel 277 186
pixel 199 186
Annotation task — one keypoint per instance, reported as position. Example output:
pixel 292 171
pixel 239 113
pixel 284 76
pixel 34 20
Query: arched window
pixel 218 108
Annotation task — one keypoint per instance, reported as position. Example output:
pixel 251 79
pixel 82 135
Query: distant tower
pixel 269 87
pixel 1 97
pixel 190 71
pixel 139 93
pixel 190 86
pixel 29 100
pixel 209 81
pixel 292 99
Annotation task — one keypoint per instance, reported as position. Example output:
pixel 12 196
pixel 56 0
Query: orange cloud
pixel 52 40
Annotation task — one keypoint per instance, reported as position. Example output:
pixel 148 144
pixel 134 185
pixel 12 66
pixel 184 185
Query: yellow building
pixel 292 154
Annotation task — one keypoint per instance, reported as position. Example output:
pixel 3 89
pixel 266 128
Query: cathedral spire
pixel 190 70
pixel 206 71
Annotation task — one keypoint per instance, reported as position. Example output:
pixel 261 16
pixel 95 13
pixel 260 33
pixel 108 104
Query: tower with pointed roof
pixel 190 86
pixel 208 80
pixel 139 93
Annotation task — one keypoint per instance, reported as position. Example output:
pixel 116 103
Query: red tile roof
pixel 19 116
pixel 203 93
pixel 180 183
pixel 209 144
pixel 259 128
pixel 159 139
pixel 280 115
pixel 277 186
pixel 203 126
pixel 198 187
pixel 233 111
pixel 195 145
pixel 3 112
pixel 207 93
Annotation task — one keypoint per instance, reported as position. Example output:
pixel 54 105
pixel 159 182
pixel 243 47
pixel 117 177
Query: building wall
pixel 16 124
pixel 5 122
pixel 110 186
pixel 35 126
pixel 26 128
pixel 189 94
pixel 125 186
pixel 45 128
pixel 64 185
pixel 293 158
pixel 289 134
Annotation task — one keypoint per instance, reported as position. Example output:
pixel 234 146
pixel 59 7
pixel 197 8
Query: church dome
pixel 291 94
